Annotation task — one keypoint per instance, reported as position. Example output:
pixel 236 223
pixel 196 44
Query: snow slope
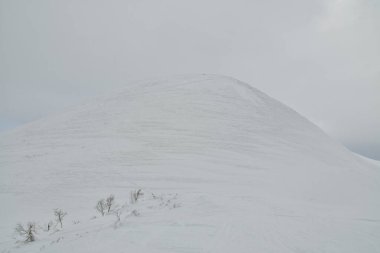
pixel 223 168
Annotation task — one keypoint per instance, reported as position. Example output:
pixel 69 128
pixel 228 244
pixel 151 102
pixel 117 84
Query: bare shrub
pixel 117 214
pixel 176 205
pixel 135 195
pixel 101 207
pixel 110 202
pixel 28 232
pixel 135 213
pixel 59 214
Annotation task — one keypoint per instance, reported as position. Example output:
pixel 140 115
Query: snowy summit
pixel 198 163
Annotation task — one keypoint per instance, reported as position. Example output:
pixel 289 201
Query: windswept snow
pixel 223 167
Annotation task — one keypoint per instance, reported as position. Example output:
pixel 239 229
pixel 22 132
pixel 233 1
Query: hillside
pixel 223 168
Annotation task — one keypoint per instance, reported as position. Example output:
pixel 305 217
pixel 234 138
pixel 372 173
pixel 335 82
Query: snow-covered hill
pixel 223 168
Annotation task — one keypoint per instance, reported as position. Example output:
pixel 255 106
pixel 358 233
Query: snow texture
pixel 223 168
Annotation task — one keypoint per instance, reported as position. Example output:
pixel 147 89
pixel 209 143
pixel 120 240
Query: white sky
pixel 321 57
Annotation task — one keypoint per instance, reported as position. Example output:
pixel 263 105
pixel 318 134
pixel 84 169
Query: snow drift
pixel 248 174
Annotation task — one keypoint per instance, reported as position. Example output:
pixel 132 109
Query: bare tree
pixel 59 214
pixel 27 232
pixel 135 195
pixel 101 206
pixel 109 202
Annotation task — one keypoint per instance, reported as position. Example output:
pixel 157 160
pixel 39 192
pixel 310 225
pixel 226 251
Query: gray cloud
pixel 319 57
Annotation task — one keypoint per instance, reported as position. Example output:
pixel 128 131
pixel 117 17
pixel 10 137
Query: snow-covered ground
pixel 223 168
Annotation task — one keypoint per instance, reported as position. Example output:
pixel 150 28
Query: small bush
pixel 135 213
pixel 110 202
pixel 135 195
pixel 101 207
pixel 28 232
pixel 117 214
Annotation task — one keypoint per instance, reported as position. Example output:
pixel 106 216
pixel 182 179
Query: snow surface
pixel 223 168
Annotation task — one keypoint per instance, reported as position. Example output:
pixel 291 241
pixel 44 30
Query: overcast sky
pixel 321 58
